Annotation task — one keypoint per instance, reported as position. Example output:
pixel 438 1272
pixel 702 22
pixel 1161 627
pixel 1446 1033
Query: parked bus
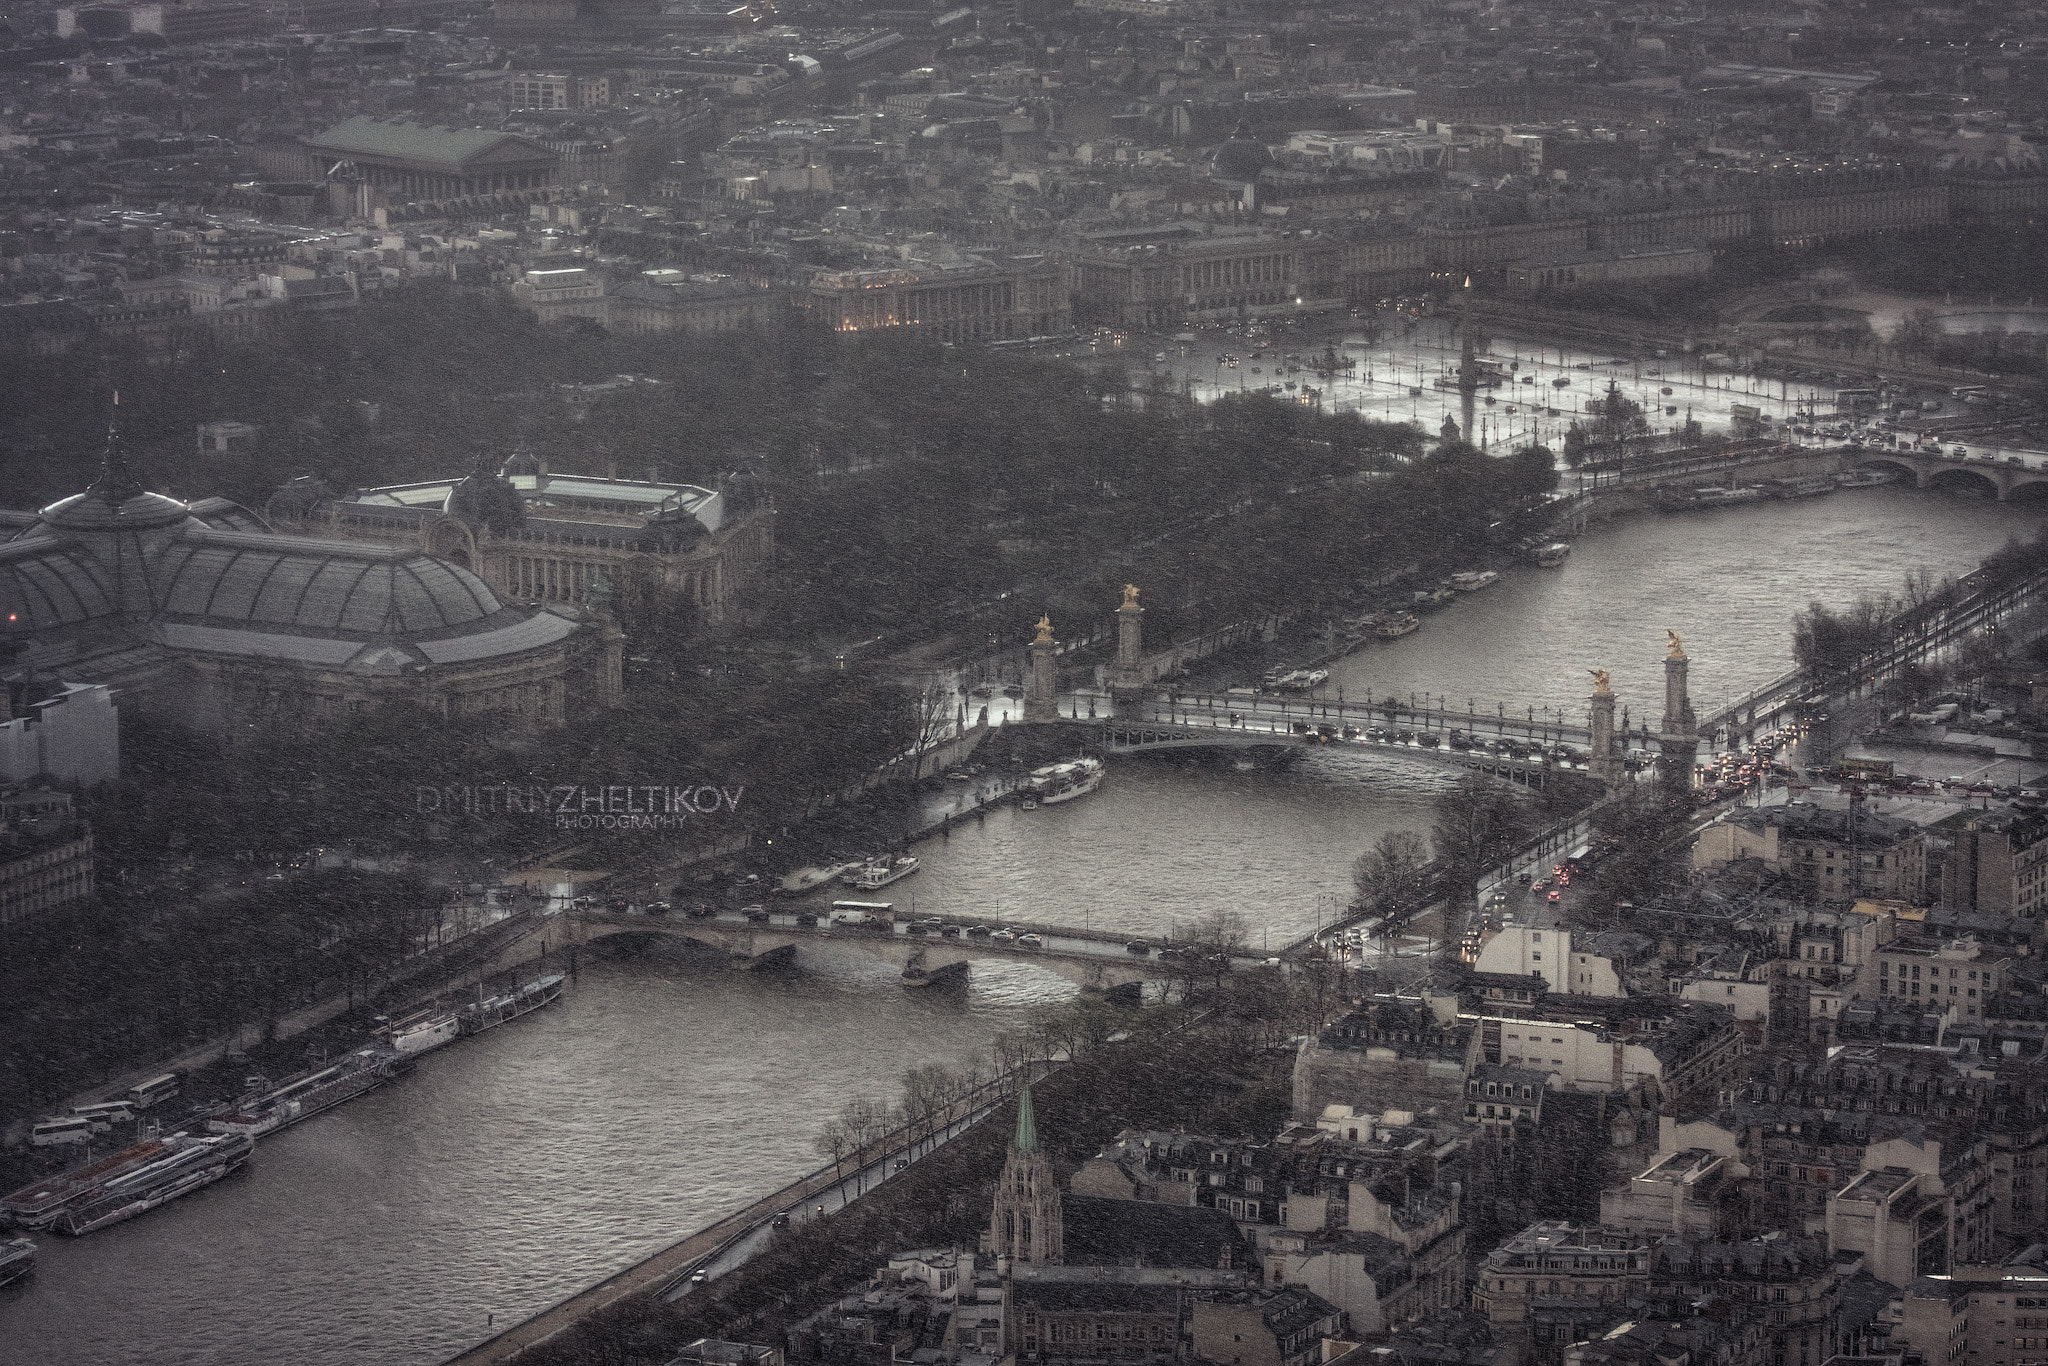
pixel 105 1115
pixel 153 1091
pixel 70 1129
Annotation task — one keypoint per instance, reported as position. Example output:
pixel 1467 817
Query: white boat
pixel 883 871
pixel 17 1259
pixel 188 1163
pixel 1552 555
pixel 422 1033
pixel 521 1000
pixel 1064 782
pixel 1474 581
pixel 807 879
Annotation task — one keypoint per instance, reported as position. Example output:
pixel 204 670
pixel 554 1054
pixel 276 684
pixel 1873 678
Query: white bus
pixel 70 1129
pixel 156 1089
pixel 862 912
pixel 106 1114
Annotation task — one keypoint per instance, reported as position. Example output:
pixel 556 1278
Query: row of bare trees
pixel 1253 1008
pixel 933 1098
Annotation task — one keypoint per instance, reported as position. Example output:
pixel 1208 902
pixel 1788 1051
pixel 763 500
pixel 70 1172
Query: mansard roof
pixel 455 150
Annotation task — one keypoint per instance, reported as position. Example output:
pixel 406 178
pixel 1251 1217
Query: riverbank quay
pixel 446 965
pixel 488 962
pixel 1207 1080
pixel 660 1275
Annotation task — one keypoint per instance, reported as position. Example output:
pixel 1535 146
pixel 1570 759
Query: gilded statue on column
pixel 1044 630
pixel 1600 685
pixel 1130 595
pixel 1677 646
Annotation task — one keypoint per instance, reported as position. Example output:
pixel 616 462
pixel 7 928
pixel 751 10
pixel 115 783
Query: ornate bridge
pixel 1253 731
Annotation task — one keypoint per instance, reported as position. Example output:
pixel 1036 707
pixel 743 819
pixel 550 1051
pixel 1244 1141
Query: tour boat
pixel 1396 625
pixel 187 1163
pixel 35 1206
pixel 521 1000
pixel 882 871
pixel 1473 581
pixel 1064 782
pixel 1431 599
pixel 17 1259
pixel 310 1093
pixel 1552 555
pixel 809 878
pixel 422 1032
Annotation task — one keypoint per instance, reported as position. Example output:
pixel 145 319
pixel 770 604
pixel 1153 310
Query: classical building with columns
pixel 394 161
pixel 539 537
pixel 202 612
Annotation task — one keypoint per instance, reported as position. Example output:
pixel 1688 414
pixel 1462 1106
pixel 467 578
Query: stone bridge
pixel 1095 962
pixel 1930 469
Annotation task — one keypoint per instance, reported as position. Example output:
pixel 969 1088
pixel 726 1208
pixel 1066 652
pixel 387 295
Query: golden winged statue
pixel 1044 630
pixel 1130 595
pixel 1600 687
pixel 1677 645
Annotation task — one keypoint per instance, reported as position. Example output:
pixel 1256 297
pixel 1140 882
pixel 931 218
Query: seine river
pixel 511 1170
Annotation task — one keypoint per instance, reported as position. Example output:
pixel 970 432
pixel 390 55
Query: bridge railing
pixel 1202 708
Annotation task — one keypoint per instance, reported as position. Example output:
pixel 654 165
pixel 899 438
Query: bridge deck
pixel 1061 941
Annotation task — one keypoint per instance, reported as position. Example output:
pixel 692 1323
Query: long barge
pixel 17 1259
pixel 521 1000
pixel 310 1093
pixel 191 1163
pixel 38 1205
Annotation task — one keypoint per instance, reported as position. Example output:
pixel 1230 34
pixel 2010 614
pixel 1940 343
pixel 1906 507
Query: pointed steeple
pixel 1027 1225
pixel 1027 1127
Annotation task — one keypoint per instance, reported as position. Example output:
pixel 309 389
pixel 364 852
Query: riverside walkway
pixel 664 1272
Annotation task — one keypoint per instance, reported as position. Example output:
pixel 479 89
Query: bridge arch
pixel 1957 479
pixel 2031 487
pixel 1890 465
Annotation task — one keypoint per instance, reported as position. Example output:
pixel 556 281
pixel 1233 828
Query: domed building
pixel 1241 159
pixel 200 611
pixel 537 537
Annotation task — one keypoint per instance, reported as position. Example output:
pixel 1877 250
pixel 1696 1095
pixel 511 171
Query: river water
pixel 511 1170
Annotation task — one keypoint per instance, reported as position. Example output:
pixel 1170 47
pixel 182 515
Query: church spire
pixel 1026 1226
pixel 1027 1127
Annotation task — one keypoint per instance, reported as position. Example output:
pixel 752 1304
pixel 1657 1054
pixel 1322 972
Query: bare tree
pixel 1391 875
pixel 832 1142
pixel 930 719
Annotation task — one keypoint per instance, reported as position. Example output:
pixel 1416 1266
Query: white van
pixel 51 1132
